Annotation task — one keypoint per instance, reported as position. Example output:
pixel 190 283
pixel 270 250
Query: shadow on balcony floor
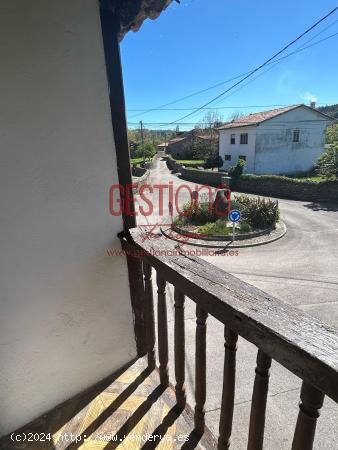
pixel 129 412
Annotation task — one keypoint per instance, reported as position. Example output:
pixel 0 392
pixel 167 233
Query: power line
pixel 221 107
pixel 278 61
pixel 189 96
pixel 261 65
pixel 162 107
pixel 229 107
pixel 280 123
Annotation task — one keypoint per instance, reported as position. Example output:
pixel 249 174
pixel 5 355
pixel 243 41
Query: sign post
pixel 234 216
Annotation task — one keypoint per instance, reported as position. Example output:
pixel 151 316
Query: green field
pixel 136 161
pixel 318 179
pixel 190 162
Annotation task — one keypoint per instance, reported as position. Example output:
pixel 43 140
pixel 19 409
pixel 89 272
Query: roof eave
pixel 132 13
pixel 255 124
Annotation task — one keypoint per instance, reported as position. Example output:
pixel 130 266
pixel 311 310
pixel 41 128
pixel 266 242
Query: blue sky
pixel 200 43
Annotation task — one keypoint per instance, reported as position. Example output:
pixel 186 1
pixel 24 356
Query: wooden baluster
pixel 258 405
pixel 200 369
pixel 150 323
pixel 309 410
pixel 228 394
pixel 179 347
pixel 162 330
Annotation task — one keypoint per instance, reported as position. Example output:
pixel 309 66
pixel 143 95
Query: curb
pixel 225 244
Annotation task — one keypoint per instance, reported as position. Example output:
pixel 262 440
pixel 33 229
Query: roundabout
pixel 252 239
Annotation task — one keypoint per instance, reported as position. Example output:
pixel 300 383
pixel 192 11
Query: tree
pixel 204 148
pixel 327 163
pixel 210 121
pixel 332 134
pixel 235 172
pixel 213 162
pixel 146 151
pixel 236 115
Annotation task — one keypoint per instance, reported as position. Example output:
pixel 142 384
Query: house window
pixel 295 136
pixel 243 157
pixel 244 138
pixel 227 157
pixel 232 139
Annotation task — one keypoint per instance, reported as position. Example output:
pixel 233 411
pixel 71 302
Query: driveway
pixel 300 269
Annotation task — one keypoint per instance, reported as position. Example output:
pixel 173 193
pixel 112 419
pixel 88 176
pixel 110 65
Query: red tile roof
pixel 207 137
pixel 256 118
pixel 178 139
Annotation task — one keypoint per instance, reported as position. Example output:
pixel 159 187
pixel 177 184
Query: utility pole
pixel 142 140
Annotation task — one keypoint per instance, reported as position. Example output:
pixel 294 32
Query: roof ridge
pixel 261 116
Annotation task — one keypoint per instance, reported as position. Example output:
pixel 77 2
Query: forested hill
pixel 331 110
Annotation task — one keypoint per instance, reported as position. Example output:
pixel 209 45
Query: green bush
pixel 235 172
pixel 235 204
pixel 145 151
pixel 220 227
pixel 327 163
pixel 200 216
pixel 244 228
pixel 281 178
pixel 213 162
pixel 258 212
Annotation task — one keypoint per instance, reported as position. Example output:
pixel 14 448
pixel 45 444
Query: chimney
pixel 313 104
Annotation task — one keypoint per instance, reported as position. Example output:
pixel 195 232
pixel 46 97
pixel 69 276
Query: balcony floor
pixel 132 406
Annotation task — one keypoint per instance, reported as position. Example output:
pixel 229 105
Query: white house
pixel 279 141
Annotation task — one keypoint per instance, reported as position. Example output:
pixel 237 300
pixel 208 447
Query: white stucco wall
pixel 66 319
pixel 225 148
pixel 275 151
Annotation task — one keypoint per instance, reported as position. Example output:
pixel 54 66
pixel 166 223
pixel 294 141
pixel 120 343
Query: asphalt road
pixel 300 269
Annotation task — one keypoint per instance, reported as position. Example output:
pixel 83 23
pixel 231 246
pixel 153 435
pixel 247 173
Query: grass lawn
pixel 137 161
pixel 190 162
pixel 317 179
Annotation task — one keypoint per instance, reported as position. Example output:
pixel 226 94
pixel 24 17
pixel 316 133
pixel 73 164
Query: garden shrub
pixel 220 227
pixel 235 172
pixel 202 215
pixel 327 163
pixel 244 227
pixel 213 162
pixel 258 212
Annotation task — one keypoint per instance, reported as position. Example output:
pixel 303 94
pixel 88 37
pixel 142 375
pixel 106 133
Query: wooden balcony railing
pixel 302 344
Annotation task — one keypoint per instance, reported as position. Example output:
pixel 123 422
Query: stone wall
pixel 196 175
pixel 138 171
pixel 284 187
pixel 268 185
pixel 141 174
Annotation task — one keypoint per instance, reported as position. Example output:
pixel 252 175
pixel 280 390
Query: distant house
pixel 182 146
pixel 280 141
pixel 162 147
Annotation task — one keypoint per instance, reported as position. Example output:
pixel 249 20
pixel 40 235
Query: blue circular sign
pixel 235 215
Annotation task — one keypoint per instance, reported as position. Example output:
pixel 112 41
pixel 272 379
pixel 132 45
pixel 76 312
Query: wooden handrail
pixel 301 343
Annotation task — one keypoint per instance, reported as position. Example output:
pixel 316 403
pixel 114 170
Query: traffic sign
pixel 235 215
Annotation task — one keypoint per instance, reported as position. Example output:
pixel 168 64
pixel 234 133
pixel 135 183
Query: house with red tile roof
pixel 181 147
pixel 279 141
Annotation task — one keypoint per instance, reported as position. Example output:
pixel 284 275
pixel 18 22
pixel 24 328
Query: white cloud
pixel 308 96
